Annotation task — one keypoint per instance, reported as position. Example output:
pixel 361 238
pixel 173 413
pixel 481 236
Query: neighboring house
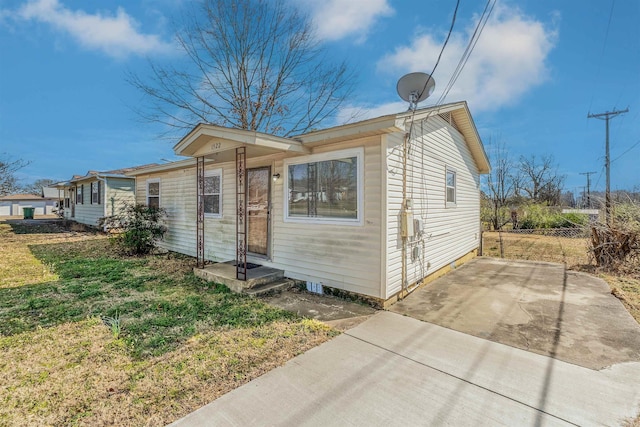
pixel 95 195
pixel 353 207
pixel 13 205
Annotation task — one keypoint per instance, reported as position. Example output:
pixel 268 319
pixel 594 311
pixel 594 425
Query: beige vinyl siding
pixel 119 193
pixel 449 231
pixel 343 256
pixel 178 198
pixel 88 213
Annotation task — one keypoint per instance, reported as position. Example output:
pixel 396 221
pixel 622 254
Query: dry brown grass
pixel 572 251
pixel 81 373
pixel 78 373
pixel 19 267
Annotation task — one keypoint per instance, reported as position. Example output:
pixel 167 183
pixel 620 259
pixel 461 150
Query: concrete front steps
pixel 260 280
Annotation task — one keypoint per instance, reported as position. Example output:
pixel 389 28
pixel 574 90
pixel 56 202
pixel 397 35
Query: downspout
pixel 404 285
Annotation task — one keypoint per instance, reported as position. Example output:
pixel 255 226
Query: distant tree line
pixel 9 182
pixel 511 183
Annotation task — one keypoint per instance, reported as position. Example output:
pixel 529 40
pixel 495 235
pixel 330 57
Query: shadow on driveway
pixel 535 306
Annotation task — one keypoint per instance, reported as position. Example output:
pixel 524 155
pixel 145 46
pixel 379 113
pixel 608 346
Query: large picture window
pixel 153 193
pixel 212 193
pixel 325 187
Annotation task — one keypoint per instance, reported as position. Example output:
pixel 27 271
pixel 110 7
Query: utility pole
pixel 588 174
pixel 607 162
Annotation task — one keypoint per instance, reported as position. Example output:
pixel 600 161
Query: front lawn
pixel 92 338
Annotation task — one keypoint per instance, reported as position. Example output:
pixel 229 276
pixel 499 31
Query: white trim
pixel 358 153
pixel 218 173
pixel 448 170
pixel 151 181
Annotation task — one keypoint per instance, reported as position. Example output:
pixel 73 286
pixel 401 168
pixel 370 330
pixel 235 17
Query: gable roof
pixel 115 173
pixel 22 196
pixel 218 142
pixel 400 123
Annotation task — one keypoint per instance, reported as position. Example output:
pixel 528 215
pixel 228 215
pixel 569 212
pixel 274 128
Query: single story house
pixel 95 195
pixel 374 208
pixel 12 205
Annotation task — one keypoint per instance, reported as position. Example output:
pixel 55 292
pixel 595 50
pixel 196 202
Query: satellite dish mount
pixel 415 87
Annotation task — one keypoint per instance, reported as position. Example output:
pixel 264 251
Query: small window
pixel 153 193
pixel 212 193
pixel 451 186
pixel 95 192
pixel 79 199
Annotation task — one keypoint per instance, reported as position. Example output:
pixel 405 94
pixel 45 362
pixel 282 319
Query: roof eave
pixel 223 139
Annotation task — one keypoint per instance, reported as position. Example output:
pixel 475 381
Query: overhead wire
pixel 477 32
pixel 626 151
pixel 604 46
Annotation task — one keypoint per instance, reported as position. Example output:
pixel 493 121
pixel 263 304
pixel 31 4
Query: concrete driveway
pixel 393 370
pixel 535 306
pixel 396 370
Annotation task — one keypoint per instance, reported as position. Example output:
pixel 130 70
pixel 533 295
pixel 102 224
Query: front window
pixel 212 193
pixel 79 199
pixel 451 186
pixel 95 192
pixel 153 193
pixel 325 187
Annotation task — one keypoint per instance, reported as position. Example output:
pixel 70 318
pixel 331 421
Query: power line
pixel 606 116
pixel 604 45
pixel 482 21
pixel 626 151
pixel 588 174
pixel 446 40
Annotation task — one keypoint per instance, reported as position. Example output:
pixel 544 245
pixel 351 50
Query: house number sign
pixel 216 146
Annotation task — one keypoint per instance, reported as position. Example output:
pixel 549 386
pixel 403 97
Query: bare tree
pixel 8 168
pixel 501 184
pixel 36 186
pixel 250 64
pixel 540 179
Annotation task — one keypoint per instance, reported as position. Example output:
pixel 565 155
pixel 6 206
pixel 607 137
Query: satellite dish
pixel 415 87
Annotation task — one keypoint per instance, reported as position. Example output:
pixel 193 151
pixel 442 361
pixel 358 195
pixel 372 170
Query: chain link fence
pixel 563 245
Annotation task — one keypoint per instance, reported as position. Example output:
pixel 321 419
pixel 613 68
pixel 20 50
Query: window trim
pixel 208 173
pixel 455 187
pixel 153 181
pixel 358 153
pixel 97 193
pixel 80 192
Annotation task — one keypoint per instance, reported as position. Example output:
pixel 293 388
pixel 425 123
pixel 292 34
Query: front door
pixel 258 205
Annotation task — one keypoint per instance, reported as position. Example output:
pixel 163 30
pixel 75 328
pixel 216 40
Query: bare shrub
pixel 616 246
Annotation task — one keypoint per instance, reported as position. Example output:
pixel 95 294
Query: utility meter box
pixel 406 226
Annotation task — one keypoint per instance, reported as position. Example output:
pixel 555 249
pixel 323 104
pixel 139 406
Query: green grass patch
pixel 157 310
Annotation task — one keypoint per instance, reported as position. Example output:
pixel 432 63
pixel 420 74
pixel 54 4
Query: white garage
pixel 13 205
pixel 5 208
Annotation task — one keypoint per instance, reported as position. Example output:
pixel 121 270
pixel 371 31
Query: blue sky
pixel 539 68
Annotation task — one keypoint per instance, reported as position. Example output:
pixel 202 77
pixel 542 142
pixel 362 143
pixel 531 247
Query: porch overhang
pixel 219 143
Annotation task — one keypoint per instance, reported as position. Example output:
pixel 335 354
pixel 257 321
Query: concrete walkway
pixel 396 370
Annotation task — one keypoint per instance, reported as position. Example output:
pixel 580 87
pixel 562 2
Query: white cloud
pixel 117 36
pixel 508 60
pixel 337 19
